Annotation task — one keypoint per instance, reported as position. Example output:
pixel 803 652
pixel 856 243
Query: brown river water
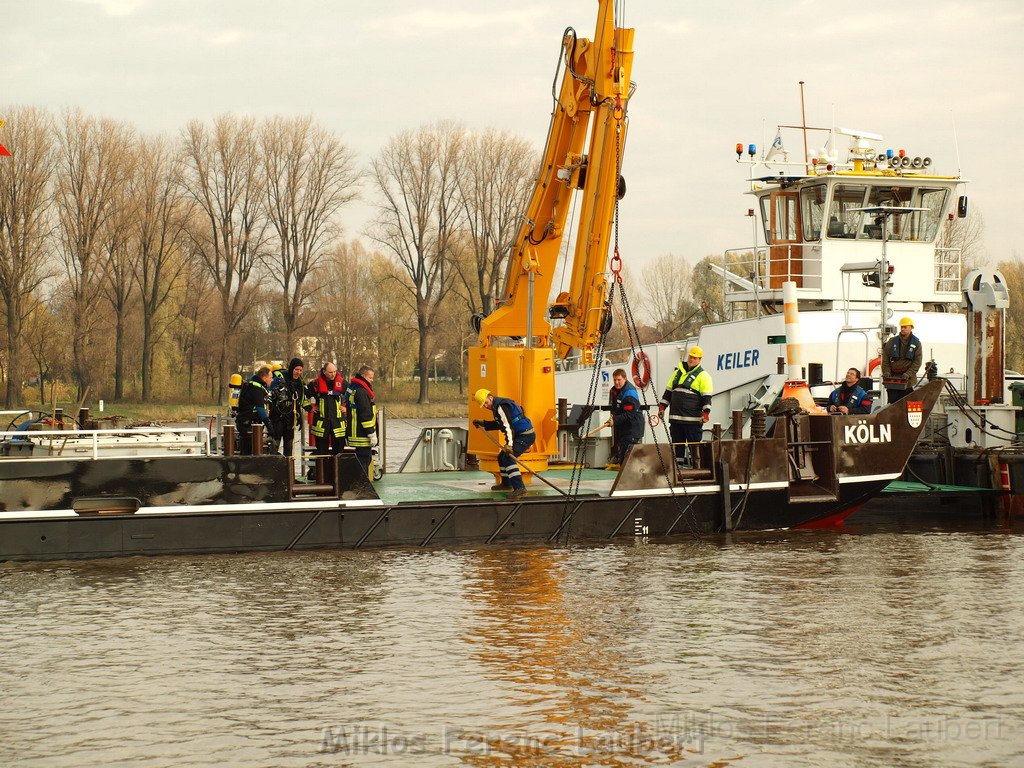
pixel 889 648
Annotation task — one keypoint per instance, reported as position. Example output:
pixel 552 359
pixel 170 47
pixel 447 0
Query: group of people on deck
pixel 345 412
pixel 340 413
pixel 687 399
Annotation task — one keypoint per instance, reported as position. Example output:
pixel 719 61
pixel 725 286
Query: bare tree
pixel 163 214
pixel 119 256
pixel 225 177
pixel 495 177
pixel 1013 272
pixel 92 168
pixel 392 313
pixel 311 175
pixel 664 296
pixel 193 324
pixel 25 196
pixel 43 333
pixel 343 307
pixel 968 236
pixel 416 175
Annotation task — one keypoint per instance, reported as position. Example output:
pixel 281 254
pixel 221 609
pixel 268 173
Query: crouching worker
pixel 850 397
pixel 519 436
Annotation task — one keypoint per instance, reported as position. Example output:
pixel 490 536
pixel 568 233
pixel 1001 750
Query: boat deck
pixel 395 488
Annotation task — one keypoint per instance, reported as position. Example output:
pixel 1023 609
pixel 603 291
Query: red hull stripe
pixel 831 521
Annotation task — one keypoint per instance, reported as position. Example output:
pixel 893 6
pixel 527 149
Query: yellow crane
pixel 515 356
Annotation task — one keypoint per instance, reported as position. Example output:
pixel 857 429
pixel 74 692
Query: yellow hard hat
pixel 276 367
pixel 481 396
pixel 696 351
pixel 906 321
pixel 235 380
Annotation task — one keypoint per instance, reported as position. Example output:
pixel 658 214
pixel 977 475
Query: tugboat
pixel 856 232
pixel 794 467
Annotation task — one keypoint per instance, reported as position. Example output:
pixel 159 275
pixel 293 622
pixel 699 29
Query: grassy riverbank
pixel 399 402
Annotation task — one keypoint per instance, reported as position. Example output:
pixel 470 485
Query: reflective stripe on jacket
pixel 252 402
pixel 509 418
pixel 362 412
pixel 688 393
pixel 329 397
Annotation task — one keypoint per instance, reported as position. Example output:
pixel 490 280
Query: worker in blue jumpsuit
pixel 519 436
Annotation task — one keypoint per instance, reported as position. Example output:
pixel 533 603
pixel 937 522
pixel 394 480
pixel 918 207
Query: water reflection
pixel 570 663
pixel 782 649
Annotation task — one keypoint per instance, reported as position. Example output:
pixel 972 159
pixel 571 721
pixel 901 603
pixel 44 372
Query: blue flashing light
pixel 889 153
pixel 752 149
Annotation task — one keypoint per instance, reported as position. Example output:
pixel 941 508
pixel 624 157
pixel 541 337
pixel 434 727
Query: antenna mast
pixel 803 124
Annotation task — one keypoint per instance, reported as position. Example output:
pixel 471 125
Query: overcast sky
pixel 709 74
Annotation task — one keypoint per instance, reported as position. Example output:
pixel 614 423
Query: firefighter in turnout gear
pixel 519 436
pixel 688 400
pixel 252 407
pixel 327 402
pixel 362 416
pixel 901 360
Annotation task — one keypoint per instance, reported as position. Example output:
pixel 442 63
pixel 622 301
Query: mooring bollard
pixel 256 431
pixel 757 423
pixel 737 425
pixel 229 439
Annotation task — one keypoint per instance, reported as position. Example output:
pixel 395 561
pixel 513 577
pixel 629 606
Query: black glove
pixel 478 422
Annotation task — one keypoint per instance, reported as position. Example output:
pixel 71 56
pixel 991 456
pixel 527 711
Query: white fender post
pixel 795 386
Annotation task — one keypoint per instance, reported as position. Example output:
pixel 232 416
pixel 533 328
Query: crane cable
pixel 635 346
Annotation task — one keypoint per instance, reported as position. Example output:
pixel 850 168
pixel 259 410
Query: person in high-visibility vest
pixel 687 397
pixel 327 402
pixel 362 415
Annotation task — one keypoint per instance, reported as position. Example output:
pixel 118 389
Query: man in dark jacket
pixel 519 435
pixel 901 360
pixel 252 407
pixel 850 398
pixel 362 415
pixel 627 417
pixel 287 398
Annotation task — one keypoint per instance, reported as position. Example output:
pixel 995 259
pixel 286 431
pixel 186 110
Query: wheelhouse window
pixel 766 216
pixel 785 219
pixel 924 225
pixel 812 201
pixel 843 220
pixel 891 197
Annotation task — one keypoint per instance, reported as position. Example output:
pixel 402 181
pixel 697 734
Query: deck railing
pixel 146 442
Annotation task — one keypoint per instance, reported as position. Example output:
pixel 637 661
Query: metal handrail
pixel 92 436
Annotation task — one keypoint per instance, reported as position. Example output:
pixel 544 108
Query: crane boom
pixel 516 349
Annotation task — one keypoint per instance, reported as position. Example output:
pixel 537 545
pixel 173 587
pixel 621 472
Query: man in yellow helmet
pixel 901 360
pixel 510 419
pixel 688 400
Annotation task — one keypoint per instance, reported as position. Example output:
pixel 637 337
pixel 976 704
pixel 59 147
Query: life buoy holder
pixel 641 369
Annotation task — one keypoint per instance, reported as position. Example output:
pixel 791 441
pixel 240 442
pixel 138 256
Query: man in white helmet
pixel 901 360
